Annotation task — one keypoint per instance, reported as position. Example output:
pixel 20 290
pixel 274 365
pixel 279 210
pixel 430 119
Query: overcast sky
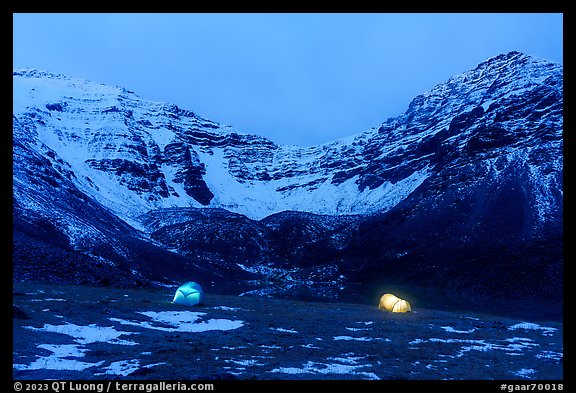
pixel 300 79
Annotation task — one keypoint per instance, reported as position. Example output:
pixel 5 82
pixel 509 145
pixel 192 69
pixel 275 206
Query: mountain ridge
pixel 260 169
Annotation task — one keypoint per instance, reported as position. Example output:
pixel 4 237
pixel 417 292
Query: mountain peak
pixel 499 77
pixel 507 56
pixel 513 61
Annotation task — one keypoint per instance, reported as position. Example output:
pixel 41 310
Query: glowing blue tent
pixel 189 294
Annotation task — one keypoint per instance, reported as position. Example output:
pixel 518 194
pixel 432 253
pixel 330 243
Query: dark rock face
pixel 135 176
pixel 285 249
pixel 190 171
pixel 462 193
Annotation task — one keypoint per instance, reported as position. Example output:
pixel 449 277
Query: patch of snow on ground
pixel 47 300
pixel 284 330
pixel 271 346
pixel 350 338
pixel 181 321
pixel 557 356
pixel 59 359
pixel 546 331
pixel 524 372
pixel 61 354
pixel 126 367
pixel 227 348
pixel 64 350
pixel 346 359
pixel 450 329
pixel 512 346
pixel 327 368
pixel 87 334
pixel 226 308
pixel 123 367
pixel 245 362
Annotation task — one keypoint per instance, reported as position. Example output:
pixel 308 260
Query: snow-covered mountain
pixel 476 160
pixel 133 155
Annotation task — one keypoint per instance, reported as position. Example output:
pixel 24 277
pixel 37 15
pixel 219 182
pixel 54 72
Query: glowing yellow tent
pixel 392 303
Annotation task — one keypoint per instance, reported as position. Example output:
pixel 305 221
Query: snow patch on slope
pixel 261 199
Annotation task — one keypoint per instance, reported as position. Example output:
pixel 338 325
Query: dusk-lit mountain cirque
pixel 461 193
pixel 427 247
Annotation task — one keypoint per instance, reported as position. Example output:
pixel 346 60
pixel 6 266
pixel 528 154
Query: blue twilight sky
pixel 300 79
